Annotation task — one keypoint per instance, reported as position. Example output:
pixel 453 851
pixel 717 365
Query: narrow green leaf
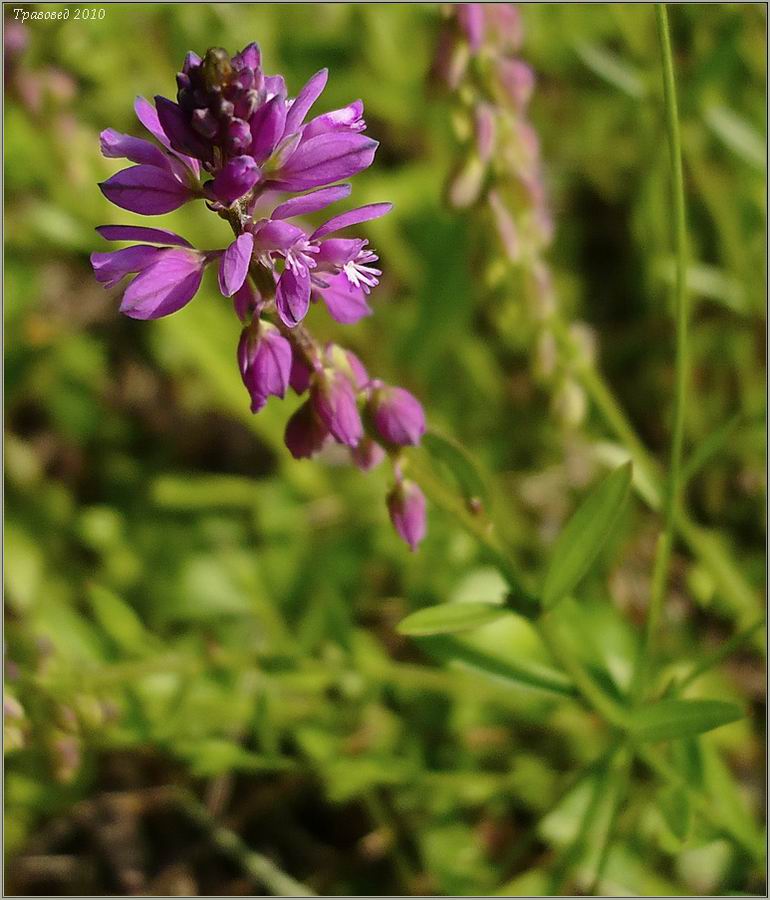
pixel 669 719
pixel 674 805
pixel 118 619
pixel 448 618
pixel 584 535
pixel 460 463
pixel 614 70
pixel 709 447
pixel 738 134
pixel 522 673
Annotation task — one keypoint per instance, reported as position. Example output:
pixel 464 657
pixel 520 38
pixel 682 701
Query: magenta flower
pixel 334 402
pixel 305 433
pixel 258 159
pixel 406 505
pixel 264 359
pixel 398 415
pixel 167 277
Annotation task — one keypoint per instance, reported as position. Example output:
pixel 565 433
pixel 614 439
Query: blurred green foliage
pixel 187 605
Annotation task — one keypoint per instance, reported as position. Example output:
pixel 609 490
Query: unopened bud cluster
pixel 237 141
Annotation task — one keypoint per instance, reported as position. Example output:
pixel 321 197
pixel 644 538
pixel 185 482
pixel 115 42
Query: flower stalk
pixel 673 483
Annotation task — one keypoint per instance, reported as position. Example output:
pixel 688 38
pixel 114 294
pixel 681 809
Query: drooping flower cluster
pixel 501 169
pixel 235 140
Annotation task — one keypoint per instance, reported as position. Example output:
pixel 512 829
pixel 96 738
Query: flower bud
pixel 517 80
pixel 465 186
pixel 570 404
pixel 264 358
pixel 305 434
pixel 334 402
pixel 66 757
pixel 398 415
pixel 299 377
pixel 406 505
pixel 368 454
pixel 485 127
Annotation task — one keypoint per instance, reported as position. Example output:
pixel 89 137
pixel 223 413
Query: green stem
pixel 701 801
pixel 263 870
pixel 597 699
pixel 714 659
pixel 673 487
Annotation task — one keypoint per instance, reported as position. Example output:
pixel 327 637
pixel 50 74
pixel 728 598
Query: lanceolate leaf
pixel 460 463
pixel 522 673
pixel 449 618
pixel 584 535
pixel 681 718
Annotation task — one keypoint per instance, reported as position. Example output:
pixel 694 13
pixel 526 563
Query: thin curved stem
pixel 673 486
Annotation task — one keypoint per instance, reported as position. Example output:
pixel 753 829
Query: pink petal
pixel 292 297
pixel 345 302
pixel 310 203
pixel 140 233
pixel 110 267
pixel 165 286
pixel 267 127
pixel 115 145
pixel 324 160
pixel 352 217
pixel 147 190
pixel 234 265
pixel 148 116
pixel 305 99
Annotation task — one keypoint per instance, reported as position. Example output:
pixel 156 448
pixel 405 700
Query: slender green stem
pixel 715 658
pixel 262 869
pixel 597 699
pixel 673 487
pixel 701 801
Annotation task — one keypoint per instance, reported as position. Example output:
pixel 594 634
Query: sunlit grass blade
pixel 669 719
pixel 521 673
pixel 449 618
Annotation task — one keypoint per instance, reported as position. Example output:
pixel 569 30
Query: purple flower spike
pixel 398 416
pixel 334 402
pixel 145 189
pixel 238 126
pixel 165 286
pixel 406 505
pixel 305 434
pixel 234 265
pixel 237 178
pixel 264 358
